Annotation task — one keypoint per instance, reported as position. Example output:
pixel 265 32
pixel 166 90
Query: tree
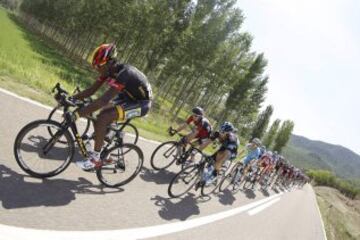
pixel 262 123
pixel 270 136
pixel 283 135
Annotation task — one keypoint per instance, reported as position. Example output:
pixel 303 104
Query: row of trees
pixel 194 52
pixel 277 136
pixel 326 178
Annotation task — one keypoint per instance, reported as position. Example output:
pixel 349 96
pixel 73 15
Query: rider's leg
pixel 103 120
pixel 204 142
pixel 105 117
pixel 190 137
pixel 220 158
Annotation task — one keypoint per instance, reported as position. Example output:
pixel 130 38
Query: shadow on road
pixel 20 191
pixel 275 190
pixel 226 197
pixel 264 192
pixel 249 193
pixel 158 177
pixel 180 209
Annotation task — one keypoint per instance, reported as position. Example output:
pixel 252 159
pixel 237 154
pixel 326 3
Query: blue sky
pixel 313 49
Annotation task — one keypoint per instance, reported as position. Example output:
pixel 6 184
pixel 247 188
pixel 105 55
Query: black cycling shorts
pixel 128 109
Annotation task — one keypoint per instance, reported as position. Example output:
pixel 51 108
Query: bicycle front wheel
pixel 184 181
pixel 229 178
pixel 41 154
pixel 83 127
pixel 121 164
pixel 164 155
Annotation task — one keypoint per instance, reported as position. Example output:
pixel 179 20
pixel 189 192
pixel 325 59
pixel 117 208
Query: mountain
pixel 306 153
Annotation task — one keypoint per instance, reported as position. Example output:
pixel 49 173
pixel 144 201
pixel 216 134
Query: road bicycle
pixel 171 152
pixel 131 134
pixel 234 178
pixel 195 176
pixel 45 148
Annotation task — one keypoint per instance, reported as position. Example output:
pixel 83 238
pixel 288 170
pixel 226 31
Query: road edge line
pixel 36 103
pixel 321 219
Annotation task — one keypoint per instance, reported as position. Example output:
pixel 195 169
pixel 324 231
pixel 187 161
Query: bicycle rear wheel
pixel 131 133
pixel 184 181
pixel 121 165
pixel 164 155
pixel 41 154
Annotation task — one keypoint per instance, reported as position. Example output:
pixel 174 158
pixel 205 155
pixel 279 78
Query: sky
pixel 313 53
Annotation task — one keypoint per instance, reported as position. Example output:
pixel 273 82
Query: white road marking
pixel 17 233
pixel 262 207
pixel 322 222
pixel 50 108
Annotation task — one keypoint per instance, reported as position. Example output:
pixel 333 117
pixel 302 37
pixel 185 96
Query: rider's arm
pixel 181 127
pixel 98 103
pixel 89 91
pixel 184 125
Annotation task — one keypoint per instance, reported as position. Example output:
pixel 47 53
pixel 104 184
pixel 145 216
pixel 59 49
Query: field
pixel 341 215
pixel 30 67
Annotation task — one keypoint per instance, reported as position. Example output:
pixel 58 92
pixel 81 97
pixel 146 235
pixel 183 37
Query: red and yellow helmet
pixel 103 54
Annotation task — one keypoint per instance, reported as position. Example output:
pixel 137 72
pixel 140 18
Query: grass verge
pixel 340 214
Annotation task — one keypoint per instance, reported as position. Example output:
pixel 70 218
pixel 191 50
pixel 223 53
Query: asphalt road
pixel 75 201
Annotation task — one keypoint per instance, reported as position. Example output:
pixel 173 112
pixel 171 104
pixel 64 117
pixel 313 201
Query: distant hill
pixel 306 153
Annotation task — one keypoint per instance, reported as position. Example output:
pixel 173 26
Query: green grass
pixel 341 215
pixel 30 67
pixel 25 57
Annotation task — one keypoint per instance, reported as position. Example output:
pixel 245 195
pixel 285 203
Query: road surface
pixel 73 205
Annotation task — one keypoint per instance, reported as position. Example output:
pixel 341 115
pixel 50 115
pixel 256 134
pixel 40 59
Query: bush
pixel 326 178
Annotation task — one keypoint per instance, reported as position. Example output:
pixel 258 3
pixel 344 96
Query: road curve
pixel 75 203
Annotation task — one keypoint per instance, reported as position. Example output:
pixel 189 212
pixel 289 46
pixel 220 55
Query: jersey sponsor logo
pixel 133 113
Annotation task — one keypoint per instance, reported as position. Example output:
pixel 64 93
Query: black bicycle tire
pixel 31 126
pixel 232 173
pixel 152 159
pixel 88 122
pixel 171 194
pixel 129 179
pixel 136 131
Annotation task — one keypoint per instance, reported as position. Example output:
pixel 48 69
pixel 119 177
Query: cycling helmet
pixel 198 111
pixel 103 54
pixel 227 127
pixel 256 141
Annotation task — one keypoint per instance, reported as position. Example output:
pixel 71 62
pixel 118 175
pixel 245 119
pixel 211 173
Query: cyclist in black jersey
pixel 228 150
pixel 129 89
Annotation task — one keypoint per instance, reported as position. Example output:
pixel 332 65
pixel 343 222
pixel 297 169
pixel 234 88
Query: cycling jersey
pixel 254 154
pixel 202 126
pixel 230 143
pixel 129 80
pixel 266 159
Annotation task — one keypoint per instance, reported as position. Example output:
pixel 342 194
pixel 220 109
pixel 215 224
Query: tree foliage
pixel 327 178
pixel 283 135
pixel 262 123
pixel 194 52
pixel 270 135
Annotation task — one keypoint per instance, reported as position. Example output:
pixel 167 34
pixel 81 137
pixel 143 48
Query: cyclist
pixel 253 148
pixel 254 152
pixel 202 131
pixel 228 149
pixel 130 87
pixel 265 162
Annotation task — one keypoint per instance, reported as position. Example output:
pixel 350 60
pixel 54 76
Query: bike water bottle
pixel 88 146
